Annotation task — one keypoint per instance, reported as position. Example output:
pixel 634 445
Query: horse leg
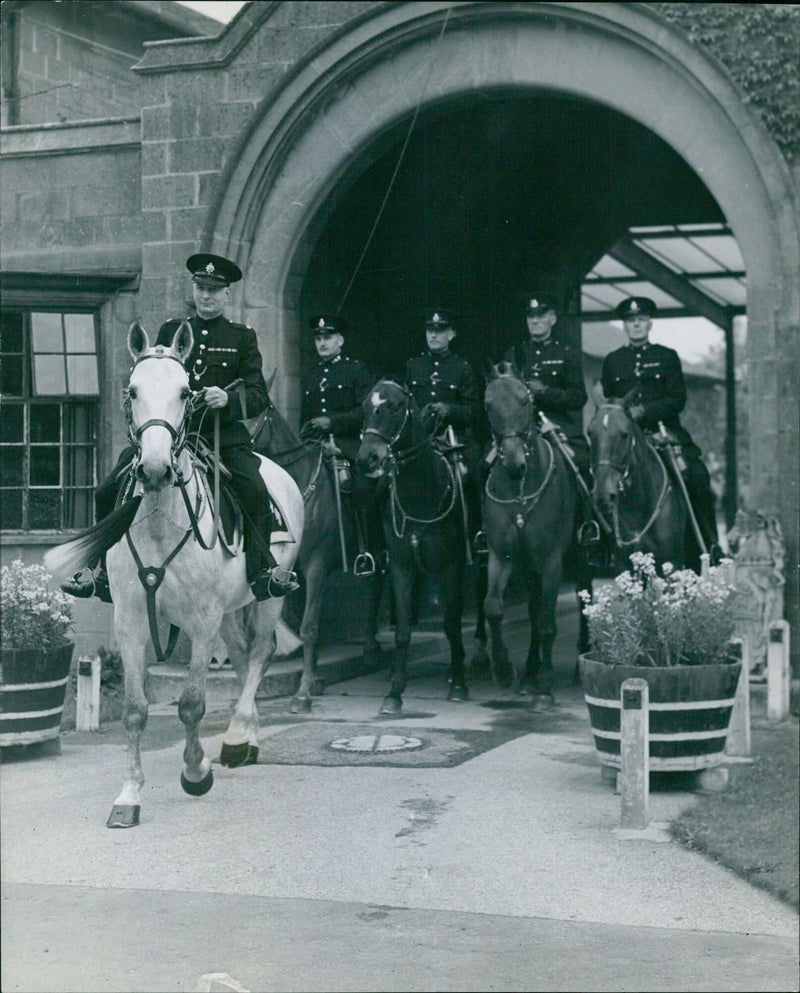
pixel 197 777
pixel 251 633
pixel 526 681
pixel 125 811
pixel 583 581
pixel 550 587
pixel 372 647
pixel 311 683
pixel 498 574
pixel 403 588
pixel 452 586
pixel 480 660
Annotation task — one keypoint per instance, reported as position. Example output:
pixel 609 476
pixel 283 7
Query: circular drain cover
pixel 376 743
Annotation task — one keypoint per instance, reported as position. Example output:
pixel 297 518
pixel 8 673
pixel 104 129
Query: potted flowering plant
pixel 674 630
pixel 35 654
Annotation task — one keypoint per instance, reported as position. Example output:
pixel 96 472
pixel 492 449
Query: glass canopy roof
pixel 689 270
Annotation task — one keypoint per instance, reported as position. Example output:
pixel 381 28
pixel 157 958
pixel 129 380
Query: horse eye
pixel 131 392
pixel 185 393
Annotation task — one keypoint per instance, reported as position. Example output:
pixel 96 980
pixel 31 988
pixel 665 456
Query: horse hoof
pixel 391 705
pixel 543 702
pixel 199 788
pixel 242 753
pixel 301 705
pixel 123 815
pixel 458 693
pixel 317 686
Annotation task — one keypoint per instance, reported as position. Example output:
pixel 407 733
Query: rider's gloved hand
pixel 441 410
pixel 636 411
pixel 317 429
pixel 536 386
pixel 215 397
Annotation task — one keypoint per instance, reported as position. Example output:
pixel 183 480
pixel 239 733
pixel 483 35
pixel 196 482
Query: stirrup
pixel 364 565
pixel 480 546
pixel 589 533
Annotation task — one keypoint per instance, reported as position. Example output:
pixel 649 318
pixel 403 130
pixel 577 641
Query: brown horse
pixel 528 514
pixel 422 523
pixel 633 489
pixel 320 550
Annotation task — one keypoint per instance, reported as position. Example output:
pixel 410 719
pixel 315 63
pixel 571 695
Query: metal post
pixel 739 741
pixel 87 710
pixel 778 679
pixel 635 754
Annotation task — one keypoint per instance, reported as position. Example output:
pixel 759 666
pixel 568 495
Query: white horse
pixel 183 575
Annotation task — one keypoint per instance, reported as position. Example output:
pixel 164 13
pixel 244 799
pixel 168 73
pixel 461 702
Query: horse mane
pixel 86 549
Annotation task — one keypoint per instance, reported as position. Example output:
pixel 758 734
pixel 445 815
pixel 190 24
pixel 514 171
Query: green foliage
pixel 33 616
pixel 677 618
pixel 758 43
pixel 111 670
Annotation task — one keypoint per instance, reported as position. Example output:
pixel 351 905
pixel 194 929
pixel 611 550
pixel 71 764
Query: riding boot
pixel 95 584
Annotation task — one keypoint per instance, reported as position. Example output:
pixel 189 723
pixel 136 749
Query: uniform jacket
pixel 336 388
pixel 558 366
pixel 222 352
pixel 654 374
pixel 446 379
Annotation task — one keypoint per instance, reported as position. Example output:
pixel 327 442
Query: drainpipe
pixel 9 59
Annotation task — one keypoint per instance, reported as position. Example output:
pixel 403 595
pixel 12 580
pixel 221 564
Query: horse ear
pixel 271 378
pixel 138 341
pixel 598 396
pixel 490 369
pixel 183 340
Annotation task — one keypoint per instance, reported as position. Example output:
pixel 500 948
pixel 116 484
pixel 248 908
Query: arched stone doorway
pixel 344 111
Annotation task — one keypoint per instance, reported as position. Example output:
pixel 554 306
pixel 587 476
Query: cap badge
pixel 436 318
pixel 321 323
pixel 534 304
pixel 210 269
pixel 634 307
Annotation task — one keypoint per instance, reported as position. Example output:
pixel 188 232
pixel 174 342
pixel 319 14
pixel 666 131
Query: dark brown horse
pixel 528 515
pixel 422 523
pixel 320 550
pixel 633 490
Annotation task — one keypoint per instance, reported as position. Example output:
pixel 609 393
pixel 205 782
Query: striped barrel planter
pixel 689 711
pixel 33 685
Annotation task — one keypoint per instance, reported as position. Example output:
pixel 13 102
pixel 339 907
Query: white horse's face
pixel 158 394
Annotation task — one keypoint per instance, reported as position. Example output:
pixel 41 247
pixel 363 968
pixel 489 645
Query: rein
pixel 527 501
pixel 624 484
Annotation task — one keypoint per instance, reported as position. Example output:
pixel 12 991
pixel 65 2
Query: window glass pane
pixel 49 375
pixel 44 509
pixel 79 423
pixel 12 461
pixel 46 330
pixel 78 506
pixel 11 375
pixel 11 508
pixel 78 465
pixel 79 330
pixel 12 421
pixel 82 375
pixel 11 331
pixel 45 469
pixel 45 421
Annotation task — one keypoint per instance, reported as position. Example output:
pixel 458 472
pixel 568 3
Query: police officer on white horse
pixel 223 352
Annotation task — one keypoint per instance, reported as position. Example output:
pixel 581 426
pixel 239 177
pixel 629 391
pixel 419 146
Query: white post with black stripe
pixel 635 755
pixel 778 675
pixel 87 709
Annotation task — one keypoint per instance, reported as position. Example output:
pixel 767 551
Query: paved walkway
pixel 486 859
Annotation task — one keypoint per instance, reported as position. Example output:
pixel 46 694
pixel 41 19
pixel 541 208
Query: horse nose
pixel 154 474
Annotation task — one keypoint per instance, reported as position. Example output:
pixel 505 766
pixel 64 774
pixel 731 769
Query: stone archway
pixel 334 116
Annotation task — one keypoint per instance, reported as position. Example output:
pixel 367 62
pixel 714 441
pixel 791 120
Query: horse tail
pixel 86 549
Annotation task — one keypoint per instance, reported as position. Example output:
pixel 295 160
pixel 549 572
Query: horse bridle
pixel 178 434
pixel 523 436
pixel 390 442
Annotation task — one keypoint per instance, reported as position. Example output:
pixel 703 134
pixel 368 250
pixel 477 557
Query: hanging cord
pixel 397 166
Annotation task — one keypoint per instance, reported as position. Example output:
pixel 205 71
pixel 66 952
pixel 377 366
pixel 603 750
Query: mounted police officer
pixel 333 390
pixel 447 392
pixel 650 379
pixel 552 369
pixel 223 352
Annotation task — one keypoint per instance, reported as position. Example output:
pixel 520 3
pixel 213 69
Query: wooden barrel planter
pixel 33 684
pixel 689 711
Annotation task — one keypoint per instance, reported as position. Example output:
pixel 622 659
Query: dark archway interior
pixel 498 195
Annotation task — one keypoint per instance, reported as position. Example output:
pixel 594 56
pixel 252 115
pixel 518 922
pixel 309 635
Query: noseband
pixel 522 435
